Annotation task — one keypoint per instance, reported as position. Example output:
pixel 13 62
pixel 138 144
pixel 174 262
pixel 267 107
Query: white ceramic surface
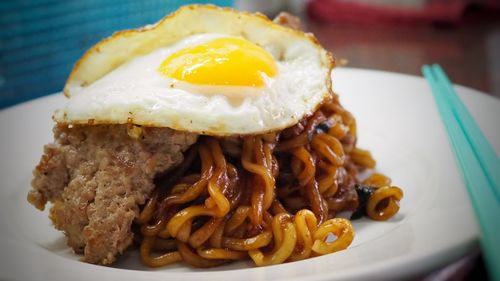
pixel 397 121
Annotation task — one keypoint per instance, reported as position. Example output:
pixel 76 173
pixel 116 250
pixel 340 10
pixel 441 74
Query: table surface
pixel 469 51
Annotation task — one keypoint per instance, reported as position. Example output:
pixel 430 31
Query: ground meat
pixel 96 176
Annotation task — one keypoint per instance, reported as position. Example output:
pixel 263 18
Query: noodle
pixel 202 234
pixel 247 244
pixel 285 238
pixel 306 225
pixel 384 203
pixel 165 259
pixel 271 198
pixel 341 228
pixel 215 254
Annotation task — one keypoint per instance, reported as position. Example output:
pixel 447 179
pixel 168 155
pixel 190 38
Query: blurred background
pixel 41 39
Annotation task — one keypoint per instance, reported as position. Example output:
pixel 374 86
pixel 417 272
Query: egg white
pixel 116 81
pixel 137 92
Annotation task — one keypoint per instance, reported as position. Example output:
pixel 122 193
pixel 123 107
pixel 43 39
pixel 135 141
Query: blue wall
pixel 40 40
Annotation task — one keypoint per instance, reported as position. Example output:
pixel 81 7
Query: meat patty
pixel 97 176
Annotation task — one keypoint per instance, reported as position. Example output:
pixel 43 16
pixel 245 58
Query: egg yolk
pixel 223 61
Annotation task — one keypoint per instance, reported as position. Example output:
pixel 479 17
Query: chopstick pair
pixel 478 163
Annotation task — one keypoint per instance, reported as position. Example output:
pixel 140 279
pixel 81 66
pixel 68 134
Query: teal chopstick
pixel 477 161
pixel 482 148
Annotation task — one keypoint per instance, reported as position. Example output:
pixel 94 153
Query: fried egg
pixel 202 69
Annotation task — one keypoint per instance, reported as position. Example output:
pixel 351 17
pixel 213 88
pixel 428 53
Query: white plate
pixel 397 121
